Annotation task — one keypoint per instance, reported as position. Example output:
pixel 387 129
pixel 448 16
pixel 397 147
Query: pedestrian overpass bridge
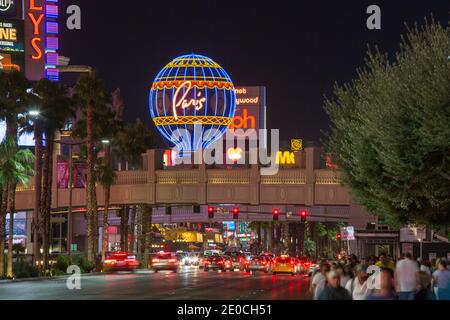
pixel 291 189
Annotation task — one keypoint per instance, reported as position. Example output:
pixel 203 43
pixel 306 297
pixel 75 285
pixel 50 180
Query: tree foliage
pixel 391 129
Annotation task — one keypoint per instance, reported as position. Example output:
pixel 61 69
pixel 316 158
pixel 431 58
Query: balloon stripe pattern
pixel 192 102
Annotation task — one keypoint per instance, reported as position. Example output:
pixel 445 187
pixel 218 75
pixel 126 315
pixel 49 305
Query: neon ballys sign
pixel 36 16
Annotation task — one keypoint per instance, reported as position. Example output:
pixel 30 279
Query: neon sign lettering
pixel 285 157
pixel 243 122
pixel 183 102
pixel 36 20
pixel 8 33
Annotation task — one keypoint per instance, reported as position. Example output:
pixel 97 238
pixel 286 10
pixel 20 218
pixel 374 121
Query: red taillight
pixel 172 260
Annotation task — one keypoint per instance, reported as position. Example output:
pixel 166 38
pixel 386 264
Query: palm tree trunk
pixel 91 201
pixel 146 232
pixel 132 227
pixel 107 194
pixel 105 223
pixel 3 208
pixel 139 239
pixel 45 202
pixel 124 219
pixel 12 209
pixel 37 194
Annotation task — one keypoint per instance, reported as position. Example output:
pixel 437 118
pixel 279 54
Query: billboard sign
pixel 9 8
pixel 250 108
pixel 12 51
pixel 348 233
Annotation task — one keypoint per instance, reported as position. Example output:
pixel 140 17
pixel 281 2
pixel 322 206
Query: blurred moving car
pixel 217 262
pixel 238 259
pixel 164 261
pixel 303 264
pixel 193 258
pixel 284 264
pixel 120 261
pixel 259 264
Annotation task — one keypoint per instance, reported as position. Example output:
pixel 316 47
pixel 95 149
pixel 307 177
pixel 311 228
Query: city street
pixel 188 283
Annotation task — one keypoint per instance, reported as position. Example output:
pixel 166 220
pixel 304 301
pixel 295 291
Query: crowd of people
pixel 382 279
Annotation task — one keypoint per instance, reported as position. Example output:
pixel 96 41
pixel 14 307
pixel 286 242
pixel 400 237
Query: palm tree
pixel 13 103
pixel 15 167
pixel 106 176
pixel 132 141
pixel 92 96
pixel 55 107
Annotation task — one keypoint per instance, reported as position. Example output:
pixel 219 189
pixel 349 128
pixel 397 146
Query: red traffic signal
pixel 235 213
pixel 338 236
pixel 211 212
pixel 275 214
pixel 303 215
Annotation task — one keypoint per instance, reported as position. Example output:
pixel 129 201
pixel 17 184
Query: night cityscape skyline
pixel 238 158
pixel 298 51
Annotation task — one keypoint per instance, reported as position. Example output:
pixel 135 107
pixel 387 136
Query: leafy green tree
pixel 15 167
pixel 390 130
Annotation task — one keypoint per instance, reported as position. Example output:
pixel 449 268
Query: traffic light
pixel 338 236
pixel 168 210
pixel 211 212
pixel 303 215
pixel 235 213
pixel 275 214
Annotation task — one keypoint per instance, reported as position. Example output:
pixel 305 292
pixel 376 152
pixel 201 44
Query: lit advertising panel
pixel 9 8
pixel 250 108
pixel 11 45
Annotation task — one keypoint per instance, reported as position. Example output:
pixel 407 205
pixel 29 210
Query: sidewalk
pixel 139 271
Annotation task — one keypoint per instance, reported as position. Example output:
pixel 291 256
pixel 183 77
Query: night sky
pixel 297 49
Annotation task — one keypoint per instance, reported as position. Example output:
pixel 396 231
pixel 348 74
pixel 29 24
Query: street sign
pixel 348 233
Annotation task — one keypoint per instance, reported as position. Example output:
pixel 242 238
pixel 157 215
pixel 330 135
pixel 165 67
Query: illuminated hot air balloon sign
pixel 192 102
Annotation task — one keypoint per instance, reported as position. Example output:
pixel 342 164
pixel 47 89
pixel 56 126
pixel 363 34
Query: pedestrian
pixel 441 280
pixel 385 262
pixel 425 266
pixel 344 276
pixel 319 281
pixel 357 287
pixel 424 291
pixel 386 290
pixel 406 277
pixel 333 290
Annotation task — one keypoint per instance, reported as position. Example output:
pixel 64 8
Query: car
pixel 259 264
pixel 201 261
pixel 229 265
pixel 303 264
pixel 165 261
pixel 238 259
pixel 217 262
pixel 120 261
pixel 284 264
pixel 192 259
